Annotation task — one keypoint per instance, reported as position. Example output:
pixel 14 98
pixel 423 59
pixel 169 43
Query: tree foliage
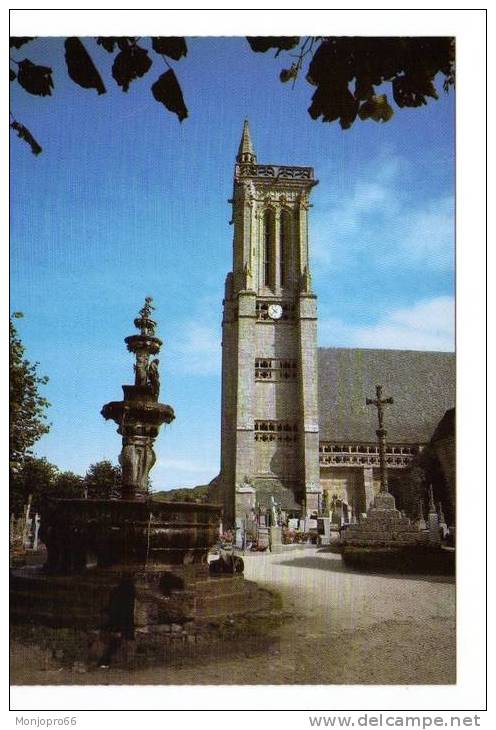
pixel 102 480
pixel 348 73
pixel 68 485
pixel 34 477
pixel 413 484
pixel 28 406
pixel 184 494
pixel 40 479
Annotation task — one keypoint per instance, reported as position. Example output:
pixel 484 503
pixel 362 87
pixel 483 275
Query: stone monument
pixel 132 564
pixel 384 525
pixel 139 415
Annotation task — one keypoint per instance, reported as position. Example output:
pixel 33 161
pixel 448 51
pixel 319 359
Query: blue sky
pixel 124 202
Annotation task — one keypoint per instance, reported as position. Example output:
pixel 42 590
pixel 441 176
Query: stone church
pixel 294 420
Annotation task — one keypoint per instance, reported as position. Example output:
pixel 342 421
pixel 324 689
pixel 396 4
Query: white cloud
pixel 198 348
pixel 380 216
pixel 429 235
pixel 176 472
pixel 426 325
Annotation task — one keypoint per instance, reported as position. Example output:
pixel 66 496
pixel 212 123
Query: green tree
pixel 67 484
pixel 348 73
pixel 27 422
pixel 36 477
pixel 413 484
pixel 184 494
pixel 102 480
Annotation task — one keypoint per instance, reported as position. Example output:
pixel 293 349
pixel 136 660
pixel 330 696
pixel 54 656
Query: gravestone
pixel 263 540
pixel 36 531
pixel 324 530
pixel 240 533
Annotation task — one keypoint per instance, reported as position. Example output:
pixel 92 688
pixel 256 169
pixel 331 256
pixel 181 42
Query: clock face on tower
pixel 275 311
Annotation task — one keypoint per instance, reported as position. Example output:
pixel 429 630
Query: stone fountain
pixel 139 415
pixel 133 564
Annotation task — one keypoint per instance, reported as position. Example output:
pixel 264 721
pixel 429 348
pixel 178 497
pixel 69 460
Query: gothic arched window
pixel 269 224
pixel 285 248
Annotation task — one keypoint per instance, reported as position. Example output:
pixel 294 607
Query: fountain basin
pixel 83 534
pixel 138 409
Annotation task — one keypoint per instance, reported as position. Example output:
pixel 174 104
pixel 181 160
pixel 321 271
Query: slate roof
pixel 421 383
pixel 446 427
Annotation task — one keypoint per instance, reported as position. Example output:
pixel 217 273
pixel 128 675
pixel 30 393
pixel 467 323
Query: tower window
pixel 275 369
pixel 285 240
pixel 268 246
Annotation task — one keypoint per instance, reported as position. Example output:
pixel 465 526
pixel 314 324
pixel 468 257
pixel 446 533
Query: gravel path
pixel 346 628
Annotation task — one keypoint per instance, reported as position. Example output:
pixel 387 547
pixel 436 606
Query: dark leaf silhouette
pixel 261 44
pixel 411 90
pixel 167 91
pixel 35 79
pixel 107 42
pixel 12 75
pixel 24 133
pixel 376 108
pixel 171 46
pixel 124 42
pixel 289 73
pixel 18 41
pixel 346 72
pixel 80 67
pixel 131 63
pixel 110 42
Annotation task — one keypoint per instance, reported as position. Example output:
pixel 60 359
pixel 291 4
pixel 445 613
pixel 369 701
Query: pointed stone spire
pixel 421 523
pixel 442 518
pixel 432 504
pixel 246 153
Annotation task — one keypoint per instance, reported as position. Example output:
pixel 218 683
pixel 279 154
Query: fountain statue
pixel 139 415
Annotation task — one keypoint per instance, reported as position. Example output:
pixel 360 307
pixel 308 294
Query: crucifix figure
pixel 379 402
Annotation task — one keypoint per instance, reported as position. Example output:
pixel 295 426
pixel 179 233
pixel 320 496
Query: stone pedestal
pixel 275 537
pixel 313 496
pixel 383 527
pixel 245 500
pixel 433 528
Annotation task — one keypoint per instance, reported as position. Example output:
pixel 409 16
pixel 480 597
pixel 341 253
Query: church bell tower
pixel 270 433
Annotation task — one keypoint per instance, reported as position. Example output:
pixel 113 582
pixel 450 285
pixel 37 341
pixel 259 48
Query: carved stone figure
pixel 154 377
pixel 275 513
pixel 141 368
pixel 146 311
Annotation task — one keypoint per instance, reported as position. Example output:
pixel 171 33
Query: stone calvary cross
pixel 379 402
